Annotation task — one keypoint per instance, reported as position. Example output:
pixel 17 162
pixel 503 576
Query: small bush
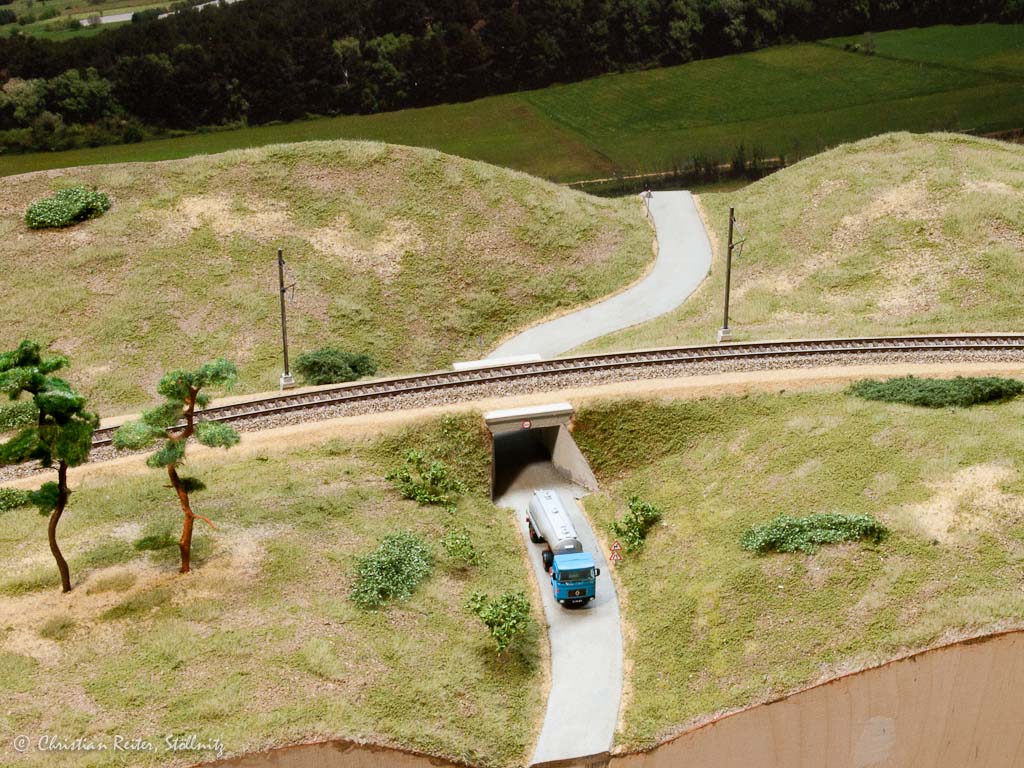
pixel 804 534
pixel 18 414
pixel 12 498
pixel 392 571
pixel 458 546
pixel 633 527
pixel 961 392
pixel 427 483
pixel 505 618
pixel 7 16
pixel 66 207
pixel 332 366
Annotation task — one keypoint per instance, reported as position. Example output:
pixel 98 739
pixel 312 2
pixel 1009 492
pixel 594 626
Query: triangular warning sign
pixel 616 546
pixel 616 557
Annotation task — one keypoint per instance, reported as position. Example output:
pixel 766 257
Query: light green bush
pixel 505 618
pixel 458 546
pixel 426 482
pixel 17 414
pixel 633 527
pixel 804 534
pixel 66 207
pixel 12 498
pixel 392 571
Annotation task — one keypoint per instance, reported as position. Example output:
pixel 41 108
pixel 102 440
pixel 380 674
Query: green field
pixel 260 644
pixel 714 627
pixel 417 258
pixel 789 100
pixel 899 234
pixel 51 18
pixel 984 47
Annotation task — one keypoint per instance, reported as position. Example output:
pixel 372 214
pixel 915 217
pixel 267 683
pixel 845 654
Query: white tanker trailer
pixel 573 575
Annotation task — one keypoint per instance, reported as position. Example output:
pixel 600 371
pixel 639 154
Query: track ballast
pixel 384 390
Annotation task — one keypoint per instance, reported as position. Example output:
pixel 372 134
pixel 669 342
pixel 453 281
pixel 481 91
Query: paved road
pixel 117 18
pixel 586 642
pixel 684 258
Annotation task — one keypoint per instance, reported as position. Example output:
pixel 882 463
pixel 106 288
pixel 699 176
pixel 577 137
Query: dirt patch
pixel 968 502
pixel 989 187
pixel 383 256
pixel 228 216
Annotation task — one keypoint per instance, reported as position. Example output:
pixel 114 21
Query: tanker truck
pixel 573 575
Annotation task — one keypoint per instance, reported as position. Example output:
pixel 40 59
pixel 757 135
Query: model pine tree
pixel 62 434
pixel 172 424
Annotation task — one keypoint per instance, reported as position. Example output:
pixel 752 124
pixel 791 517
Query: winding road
pixel 586 643
pixel 684 258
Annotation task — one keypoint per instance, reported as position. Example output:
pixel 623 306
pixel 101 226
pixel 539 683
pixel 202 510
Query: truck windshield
pixel 580 574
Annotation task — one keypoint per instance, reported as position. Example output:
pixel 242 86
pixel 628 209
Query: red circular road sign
pixel 527 424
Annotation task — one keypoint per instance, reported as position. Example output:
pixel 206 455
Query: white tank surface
pixel 549 520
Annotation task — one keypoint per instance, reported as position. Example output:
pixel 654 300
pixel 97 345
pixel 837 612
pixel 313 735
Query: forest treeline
pixel 263 60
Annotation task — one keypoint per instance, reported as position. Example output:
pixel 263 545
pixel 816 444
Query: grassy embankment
pixel 260 645
pixel 714 627
pixel 415 257
pixel 792 100
pixel 898 234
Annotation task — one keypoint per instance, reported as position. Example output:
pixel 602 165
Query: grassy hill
pixel 260 645
pixel 415 257
pixel 789 100
pixel 897 234
pixel 714 627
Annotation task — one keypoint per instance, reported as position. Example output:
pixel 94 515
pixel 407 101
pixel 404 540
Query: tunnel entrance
pixel 533 446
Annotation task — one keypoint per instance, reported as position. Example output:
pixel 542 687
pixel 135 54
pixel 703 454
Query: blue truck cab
pixel 574 577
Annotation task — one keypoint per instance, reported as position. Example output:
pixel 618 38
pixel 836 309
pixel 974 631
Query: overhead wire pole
pixel 725 333
pixel 287 380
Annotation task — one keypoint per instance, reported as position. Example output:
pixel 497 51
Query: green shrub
pixel 392 571
pixel 458 546
pixel 804 534
pixel 960 392
pixel 12 498
pixel 505 618
pixel 17 414
pixel 66 207
pixel 633 527
pixel 332 366
pixel 427 483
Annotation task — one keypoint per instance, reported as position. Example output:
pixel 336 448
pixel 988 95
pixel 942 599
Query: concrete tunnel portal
pixel 526 439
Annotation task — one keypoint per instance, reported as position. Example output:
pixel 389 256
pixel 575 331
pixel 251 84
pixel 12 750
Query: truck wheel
pixel 533 534
pixel 548 558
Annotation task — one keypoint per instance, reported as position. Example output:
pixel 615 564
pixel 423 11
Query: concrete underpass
pixel 533 448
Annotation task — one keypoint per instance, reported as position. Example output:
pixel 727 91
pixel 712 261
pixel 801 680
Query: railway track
pixel 385 389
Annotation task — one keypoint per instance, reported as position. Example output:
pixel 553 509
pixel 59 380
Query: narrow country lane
pixel 586 643
pixel 684 258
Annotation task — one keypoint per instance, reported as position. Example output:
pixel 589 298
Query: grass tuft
pixel 138 606
pixel 57 628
